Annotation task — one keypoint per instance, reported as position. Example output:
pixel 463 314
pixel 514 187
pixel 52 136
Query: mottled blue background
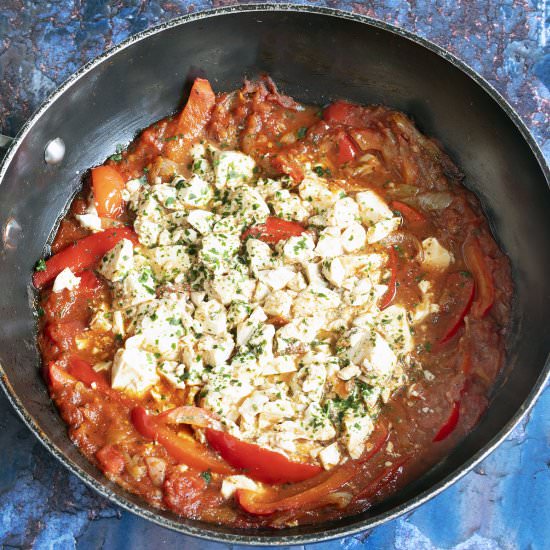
pixel 504 503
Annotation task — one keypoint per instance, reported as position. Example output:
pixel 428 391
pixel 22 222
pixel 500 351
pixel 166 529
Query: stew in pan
pixel 262 313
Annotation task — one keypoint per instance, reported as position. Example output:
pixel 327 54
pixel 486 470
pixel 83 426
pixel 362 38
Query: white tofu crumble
pixel 66 280
pixel 265 335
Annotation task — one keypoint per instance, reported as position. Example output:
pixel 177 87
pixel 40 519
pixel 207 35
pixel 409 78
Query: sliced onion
pixel 156 467
pixel 437 200
pixel 196 416
pixel 340 499
pixel 400 190
pixel 403 238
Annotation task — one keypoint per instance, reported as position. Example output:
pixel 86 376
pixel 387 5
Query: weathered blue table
pixel 504 503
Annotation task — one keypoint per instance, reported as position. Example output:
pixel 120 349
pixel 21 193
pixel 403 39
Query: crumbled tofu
pixel 201 220
pixel 372 208
pixel 300 331
pixel 232 168
pixel 329 243
pixel 380 230
pixel 436 257
pixel 288 206
pixel 357 430
pixel 133 371
pixel 276 279
pixel 246 328
pixel 343 213
pixel 174 372
pixel 278 304
pixel 65 280
pixel 334 271
pixel 283 341
pixel 330 456
pixel 230 484
pixel 216 350
pixel 90 221
pixel 259 255
pixel 354 237
pixel 195 192
pixel 299 249
pixel 212 317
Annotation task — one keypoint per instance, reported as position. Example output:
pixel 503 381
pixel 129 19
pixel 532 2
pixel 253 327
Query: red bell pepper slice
pixel 392 284
pixel 83 371
pixel 347 149
pixel 183 448
pixel 462 287
pixel 288 166
pixel 259 464
pixel 310 493
pixel 274 230
pixel 82 254
pixel 108 184
pixel 450 424
pixel 485 288
pixel 408 212
pixel 196 113
pixel 191 122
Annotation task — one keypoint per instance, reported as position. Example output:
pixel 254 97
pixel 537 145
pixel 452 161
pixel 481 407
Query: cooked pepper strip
pixel 82 254
pixel 408 212
pixel 386 477
pixel 308 494
pixel 392 284
pixel 182 447
pixel 464 287
pixel 108 184
pixel 274 230
pixel 485 289
pixel 259 464
pixel 191 121
pixel 450 424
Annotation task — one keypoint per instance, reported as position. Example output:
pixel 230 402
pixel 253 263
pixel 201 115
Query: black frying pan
pixel 314 55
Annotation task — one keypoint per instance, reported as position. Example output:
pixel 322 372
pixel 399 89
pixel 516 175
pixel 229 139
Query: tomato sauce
pixel 463 347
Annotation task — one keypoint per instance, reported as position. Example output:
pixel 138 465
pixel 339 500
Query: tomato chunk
pixel 274 230
pixel 108 184
pixel 311 493
pixel 485 288
pixel 450 424
pixel 110 459
pixel 343 112
pixel 183 448
pixel 389 295
pixel 83 254
pixel 347 149
pixel 260 464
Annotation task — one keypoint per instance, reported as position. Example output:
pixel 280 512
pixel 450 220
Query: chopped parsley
pixel 40 265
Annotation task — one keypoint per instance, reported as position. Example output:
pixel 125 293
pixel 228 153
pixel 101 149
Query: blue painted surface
pixel 504 503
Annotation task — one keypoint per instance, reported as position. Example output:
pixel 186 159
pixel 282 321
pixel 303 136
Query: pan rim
pixel 204 530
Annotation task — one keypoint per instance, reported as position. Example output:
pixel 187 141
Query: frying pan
pixel 315 55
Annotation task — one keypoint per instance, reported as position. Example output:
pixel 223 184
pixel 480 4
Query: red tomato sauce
pixel 463 348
